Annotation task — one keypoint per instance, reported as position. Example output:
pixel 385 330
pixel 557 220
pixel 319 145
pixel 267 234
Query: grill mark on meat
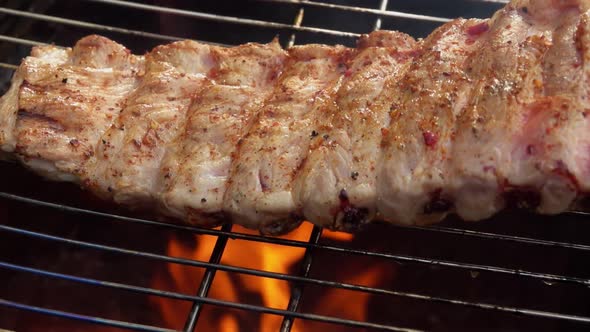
pixel 51 123
pixel 67 106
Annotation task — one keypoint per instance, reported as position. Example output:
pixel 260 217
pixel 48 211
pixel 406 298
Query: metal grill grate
pixel 515 272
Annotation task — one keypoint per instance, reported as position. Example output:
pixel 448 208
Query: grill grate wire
pixel 298 282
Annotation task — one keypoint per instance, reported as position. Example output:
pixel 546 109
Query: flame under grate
pixel 515 272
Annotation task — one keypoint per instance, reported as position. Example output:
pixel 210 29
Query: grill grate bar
pixel 294 243
pixel 88 25
pixel 301 244
pixel 297 289
pixel 180 296
pixel 297 22
pixel 364 10
pixel 23 41
pixel 8 66
pixel 215 258
pixel 378 21
pixel 226 19
pixel 261 273
pixel 504 237
pixel 290 278
pixel 83 318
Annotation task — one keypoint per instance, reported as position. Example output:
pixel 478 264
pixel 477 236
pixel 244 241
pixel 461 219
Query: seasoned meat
pixel 506 106
pixel 336 186
pixel 129 154
pixel 260 193
pixel 414 166
pixel 66 101
pixel 196 168
pixel 480 115
pixel 549 156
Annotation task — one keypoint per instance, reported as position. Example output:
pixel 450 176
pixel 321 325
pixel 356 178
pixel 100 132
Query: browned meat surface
pixel 512 136
pixel 260 193
pixel 66 101
pixel 129 154
pixel 336 187
pixel 196 169
pixel 414 166
pixel 480 115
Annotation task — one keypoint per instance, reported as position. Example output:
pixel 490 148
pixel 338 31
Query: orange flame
pixel 338 236
pixel 244 288
pixel 341 303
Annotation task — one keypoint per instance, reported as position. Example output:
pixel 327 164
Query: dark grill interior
pixel 70 262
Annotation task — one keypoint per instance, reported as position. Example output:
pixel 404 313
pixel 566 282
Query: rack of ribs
pixel 479 115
